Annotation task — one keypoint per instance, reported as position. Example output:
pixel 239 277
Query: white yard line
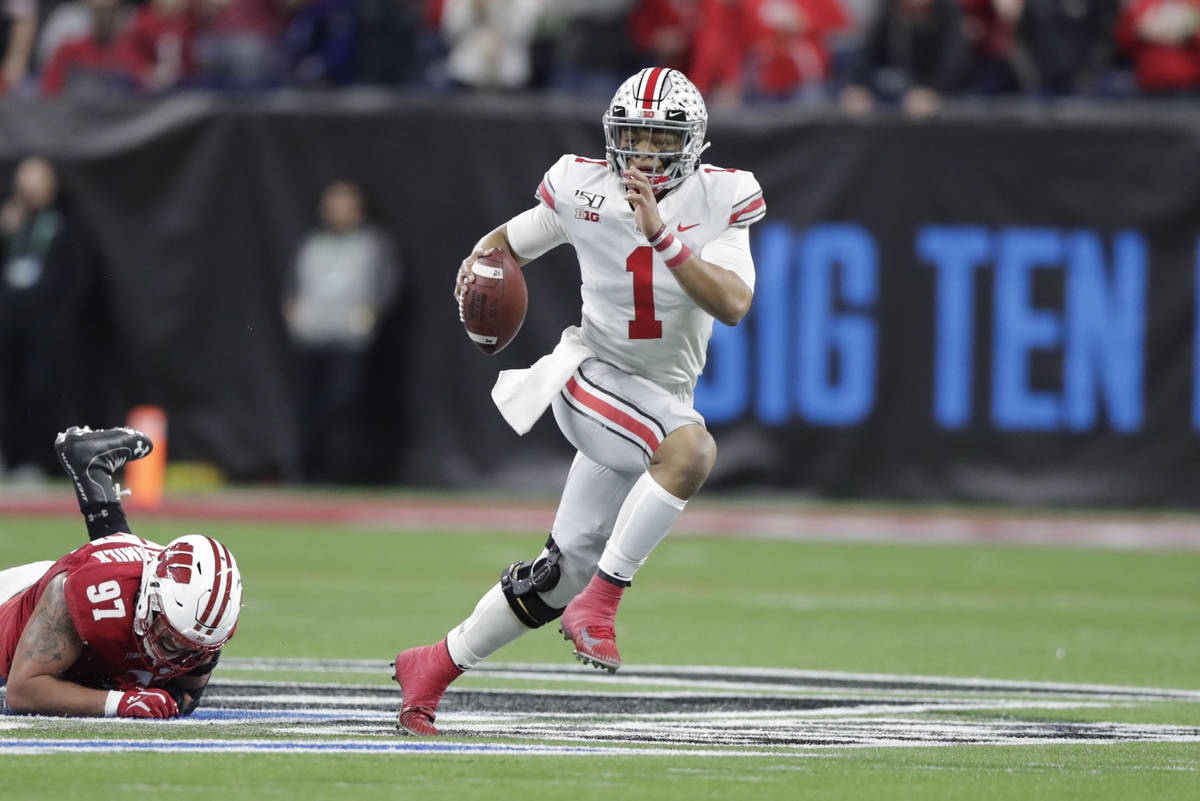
pixel 779 720
pixel 716 678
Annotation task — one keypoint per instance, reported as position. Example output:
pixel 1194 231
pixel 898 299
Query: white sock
pixel 489 628
pixel 646 516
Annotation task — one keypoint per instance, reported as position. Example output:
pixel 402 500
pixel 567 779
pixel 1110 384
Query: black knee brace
pixel 522 581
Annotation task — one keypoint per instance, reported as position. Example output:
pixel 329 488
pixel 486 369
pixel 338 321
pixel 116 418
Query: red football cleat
pixel 588 622
pixel 424 673
pixel 417 720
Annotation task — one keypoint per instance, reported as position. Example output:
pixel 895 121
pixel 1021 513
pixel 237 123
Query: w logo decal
pixel 177 562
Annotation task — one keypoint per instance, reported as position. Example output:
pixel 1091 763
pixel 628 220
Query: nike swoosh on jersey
pixel 681 227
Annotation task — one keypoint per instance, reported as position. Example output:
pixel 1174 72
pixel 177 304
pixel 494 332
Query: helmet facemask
pixel 190 599
pixel 672 148
pixel 666 103
pixel 165 646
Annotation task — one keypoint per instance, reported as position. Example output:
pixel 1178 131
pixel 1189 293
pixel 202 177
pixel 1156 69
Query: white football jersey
pixel 635 314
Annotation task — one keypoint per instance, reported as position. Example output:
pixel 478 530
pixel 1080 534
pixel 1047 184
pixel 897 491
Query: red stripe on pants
pixel 613 414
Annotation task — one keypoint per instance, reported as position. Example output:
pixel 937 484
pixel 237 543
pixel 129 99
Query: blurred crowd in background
pixel 858 53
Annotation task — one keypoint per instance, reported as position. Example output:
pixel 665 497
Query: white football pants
pixel 610 508
pixel 17 579
pixel 616 421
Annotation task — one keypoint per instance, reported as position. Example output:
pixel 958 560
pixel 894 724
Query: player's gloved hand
pixel 185 701
pixel 141 703
pixel 186 691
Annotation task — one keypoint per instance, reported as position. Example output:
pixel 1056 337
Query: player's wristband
pixel 659 235
pixel 673 252
pixel 112 702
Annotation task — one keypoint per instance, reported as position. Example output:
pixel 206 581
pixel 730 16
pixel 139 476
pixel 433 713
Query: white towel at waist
pixel 523 395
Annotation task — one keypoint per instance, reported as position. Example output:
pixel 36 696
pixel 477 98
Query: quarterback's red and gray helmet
pixel 661 99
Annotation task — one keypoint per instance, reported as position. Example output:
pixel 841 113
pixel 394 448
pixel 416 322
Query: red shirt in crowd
pixel 110 62
pixel 772 46
pixel 664 30
pixel 789 47
pixel 1162 66
pixel 162 41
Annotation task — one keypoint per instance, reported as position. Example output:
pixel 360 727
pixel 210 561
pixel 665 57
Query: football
pixel 493 306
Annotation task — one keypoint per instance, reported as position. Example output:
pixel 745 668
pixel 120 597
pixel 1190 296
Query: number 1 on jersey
pixel 643 325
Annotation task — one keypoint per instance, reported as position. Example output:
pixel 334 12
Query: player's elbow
pixel 735 308
pixel 20 700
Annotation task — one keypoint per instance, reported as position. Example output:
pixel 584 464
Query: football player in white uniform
pixel 663 247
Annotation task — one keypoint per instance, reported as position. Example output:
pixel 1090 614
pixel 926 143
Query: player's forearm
pixel 718 291
pixel 48 695
pixel 498 238
pixel 187 690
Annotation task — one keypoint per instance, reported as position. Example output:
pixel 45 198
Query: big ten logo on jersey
pixel 589 204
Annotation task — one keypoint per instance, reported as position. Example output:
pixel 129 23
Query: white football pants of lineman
pixel 16 580
pixel 612 513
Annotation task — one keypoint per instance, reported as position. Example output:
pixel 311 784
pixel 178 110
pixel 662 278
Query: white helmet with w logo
pixel 661 99
pixel 190 600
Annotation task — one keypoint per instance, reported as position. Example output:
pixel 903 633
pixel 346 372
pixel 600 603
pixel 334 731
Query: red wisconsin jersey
pixel 102 585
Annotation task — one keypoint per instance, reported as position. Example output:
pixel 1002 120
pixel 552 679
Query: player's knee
pixel 524 583
pixel 704 453
pixel 575 571
pixel 684 460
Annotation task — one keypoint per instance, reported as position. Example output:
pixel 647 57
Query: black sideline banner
pixel 996 309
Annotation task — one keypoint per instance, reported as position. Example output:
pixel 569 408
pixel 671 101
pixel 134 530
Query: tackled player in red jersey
pixel 121 626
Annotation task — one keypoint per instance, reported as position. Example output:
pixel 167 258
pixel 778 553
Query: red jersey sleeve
pixel 102 582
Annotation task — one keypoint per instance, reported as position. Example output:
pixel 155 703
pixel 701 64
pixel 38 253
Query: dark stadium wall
pixel 997 308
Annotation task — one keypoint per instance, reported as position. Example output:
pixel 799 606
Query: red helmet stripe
pixel 212 598
pixel 228 593
pixel 651 87
pixel 222 592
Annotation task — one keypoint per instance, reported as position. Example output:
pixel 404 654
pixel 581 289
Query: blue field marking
pixel 399 746
pixel 295 715
pixel 242 716
pixel 795 713
pixel 297 746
